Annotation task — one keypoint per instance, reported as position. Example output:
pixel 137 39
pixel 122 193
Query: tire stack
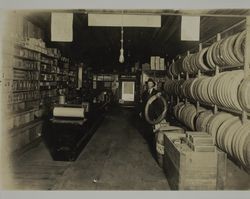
pixel 186 113
pixel 231 136
pixel 225 52
pixel 226 89
pixel 228 131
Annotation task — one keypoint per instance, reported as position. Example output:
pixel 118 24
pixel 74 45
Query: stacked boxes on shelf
pixel 72 83
pixel 63 75
pixel 157 63
pixel 73 76
pixel 48 77
pixel 20 86
pixel 29 78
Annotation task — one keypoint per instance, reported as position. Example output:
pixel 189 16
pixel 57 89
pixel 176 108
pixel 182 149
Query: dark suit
pixel 145 97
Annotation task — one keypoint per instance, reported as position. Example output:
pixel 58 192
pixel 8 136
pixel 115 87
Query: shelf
pixel 47 55
pixel 25 69
pixel 221 69
pixel 47 72
pixel 27 58
pixel 49 89
pixel 47 80
pixel 48 85
pixel 28 48
pixel 43 62
pixel 31 100
pixel 19 91
pixel 24 111
pixel 26 80
pixel 26 126
pixel 237 112
pixel 231 67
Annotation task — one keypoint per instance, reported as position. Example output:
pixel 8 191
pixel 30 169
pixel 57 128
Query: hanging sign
pixel 190 28
pixel 62 27
pixel 117 20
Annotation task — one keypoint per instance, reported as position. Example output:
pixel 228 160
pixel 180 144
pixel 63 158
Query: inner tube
pixel 163 113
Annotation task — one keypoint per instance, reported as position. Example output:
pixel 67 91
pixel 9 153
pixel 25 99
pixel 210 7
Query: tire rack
pixel 243 114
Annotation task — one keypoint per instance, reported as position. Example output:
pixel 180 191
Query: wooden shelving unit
pixel 242 114
pixel 23 94
pixel 28 82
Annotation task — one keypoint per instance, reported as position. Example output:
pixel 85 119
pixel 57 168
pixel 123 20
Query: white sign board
pixel 128 91
pixel 190 28
pixel 119 20
pixel 62 27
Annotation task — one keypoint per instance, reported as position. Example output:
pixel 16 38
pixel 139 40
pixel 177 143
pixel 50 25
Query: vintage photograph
pixel 125 99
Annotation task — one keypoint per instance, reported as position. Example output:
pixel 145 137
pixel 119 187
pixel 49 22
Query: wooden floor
pixel 118 157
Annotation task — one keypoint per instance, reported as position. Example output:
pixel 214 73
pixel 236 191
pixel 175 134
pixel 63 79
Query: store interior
pixel 125 99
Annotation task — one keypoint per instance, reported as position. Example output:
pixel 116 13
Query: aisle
pixel 117 157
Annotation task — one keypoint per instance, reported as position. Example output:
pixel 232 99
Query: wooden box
pixel 189 170
pixel 152 62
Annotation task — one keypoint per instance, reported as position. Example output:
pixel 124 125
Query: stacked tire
pixel 228 131
pixel 227 89
pixel 231 136
pixel 186 113
pixel 225 52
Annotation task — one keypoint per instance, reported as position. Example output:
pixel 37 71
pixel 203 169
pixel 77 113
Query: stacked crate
pixel 191 168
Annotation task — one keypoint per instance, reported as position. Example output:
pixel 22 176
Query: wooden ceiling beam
pixel 196 12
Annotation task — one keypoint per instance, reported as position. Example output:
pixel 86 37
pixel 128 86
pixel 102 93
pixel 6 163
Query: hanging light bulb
pixel 121 57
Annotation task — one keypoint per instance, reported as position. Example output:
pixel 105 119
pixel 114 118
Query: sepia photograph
pixel 125 99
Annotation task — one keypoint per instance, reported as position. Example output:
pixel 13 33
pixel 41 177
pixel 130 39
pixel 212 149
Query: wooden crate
pixel 189 170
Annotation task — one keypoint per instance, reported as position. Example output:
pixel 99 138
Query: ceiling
pixel 99 47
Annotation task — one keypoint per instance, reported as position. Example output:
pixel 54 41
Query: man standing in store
pixel 149 92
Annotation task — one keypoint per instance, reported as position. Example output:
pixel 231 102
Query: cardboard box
pixel 162 64
pixel 157 63
pixel 152 63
